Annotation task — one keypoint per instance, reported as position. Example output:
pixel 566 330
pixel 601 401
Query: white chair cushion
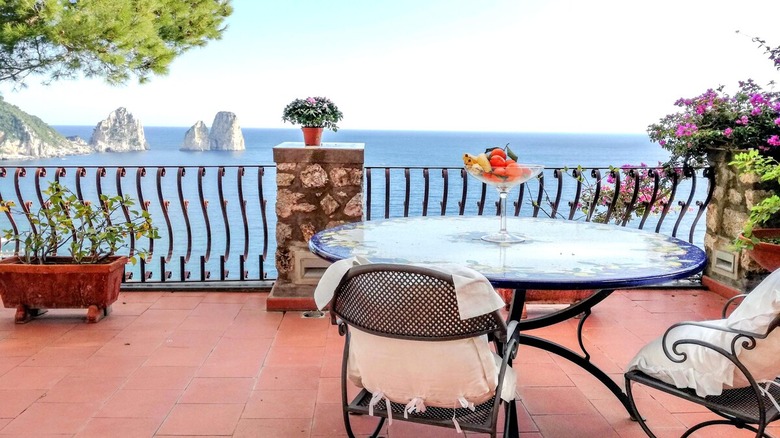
pixel 708 372
pixel 438 372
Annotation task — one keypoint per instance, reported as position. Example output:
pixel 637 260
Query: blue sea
pixel 382 148
pixel 389 148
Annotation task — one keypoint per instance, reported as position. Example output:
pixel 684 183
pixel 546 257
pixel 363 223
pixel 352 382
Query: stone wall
pixel 733 197
pixel 318 187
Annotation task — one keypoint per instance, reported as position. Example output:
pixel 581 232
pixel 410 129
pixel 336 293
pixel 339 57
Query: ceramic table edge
pixel 541 285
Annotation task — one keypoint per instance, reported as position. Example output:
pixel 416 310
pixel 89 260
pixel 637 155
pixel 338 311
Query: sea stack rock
pixel 24 136
pixel 196 138
pixel 225 134
pixel 120 132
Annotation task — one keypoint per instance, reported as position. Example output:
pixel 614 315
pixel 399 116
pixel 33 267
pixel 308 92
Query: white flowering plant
pixel 313 112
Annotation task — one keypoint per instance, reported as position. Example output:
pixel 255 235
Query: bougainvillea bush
pixel 643 183
pixel 715 120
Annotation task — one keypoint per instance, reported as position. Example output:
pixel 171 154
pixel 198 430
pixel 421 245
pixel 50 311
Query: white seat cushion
pixel 438 372
pixel 709 372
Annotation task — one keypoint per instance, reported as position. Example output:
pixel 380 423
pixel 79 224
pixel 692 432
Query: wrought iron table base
pixel 583 308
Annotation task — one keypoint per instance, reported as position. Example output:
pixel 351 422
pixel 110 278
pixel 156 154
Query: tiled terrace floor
pixel 218 364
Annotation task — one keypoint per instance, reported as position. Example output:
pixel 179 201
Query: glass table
pixel 557 254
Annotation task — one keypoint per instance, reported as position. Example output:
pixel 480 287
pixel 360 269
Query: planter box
pixel 766 254
pixel 33 288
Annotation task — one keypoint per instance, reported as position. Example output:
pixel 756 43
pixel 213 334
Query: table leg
pixel 516 308
pixel 583 361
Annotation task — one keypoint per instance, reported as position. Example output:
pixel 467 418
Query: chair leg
pixel 347 425
pixel 378 427
pixel 635 412
pixel 704 424
pixel 511 428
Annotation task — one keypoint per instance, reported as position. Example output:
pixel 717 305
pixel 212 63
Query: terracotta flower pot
pixel 34 288
pixel 312 136
pixel 767 255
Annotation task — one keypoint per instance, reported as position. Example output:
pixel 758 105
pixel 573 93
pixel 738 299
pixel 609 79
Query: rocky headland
pixel 24 136
pixel 196 138
pixel 225 135
pixel 120 132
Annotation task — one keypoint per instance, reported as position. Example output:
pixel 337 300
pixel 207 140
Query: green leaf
pixel 509 152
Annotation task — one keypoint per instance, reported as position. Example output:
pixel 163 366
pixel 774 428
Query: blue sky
pixel 610 66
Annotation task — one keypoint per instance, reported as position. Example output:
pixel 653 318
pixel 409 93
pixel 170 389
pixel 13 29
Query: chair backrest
pixel 407 302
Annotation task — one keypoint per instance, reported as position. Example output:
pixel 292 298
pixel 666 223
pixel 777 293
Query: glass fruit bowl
pixel 503 179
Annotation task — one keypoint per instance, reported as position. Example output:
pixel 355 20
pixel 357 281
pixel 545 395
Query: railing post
pixel 732 195
pixel 317 188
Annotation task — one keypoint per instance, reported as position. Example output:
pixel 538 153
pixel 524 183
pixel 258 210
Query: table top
pixel 557 254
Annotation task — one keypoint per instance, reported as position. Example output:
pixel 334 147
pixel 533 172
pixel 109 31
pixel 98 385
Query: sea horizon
pixel 396 147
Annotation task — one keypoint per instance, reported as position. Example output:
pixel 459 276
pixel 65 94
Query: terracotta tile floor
pixel 217 364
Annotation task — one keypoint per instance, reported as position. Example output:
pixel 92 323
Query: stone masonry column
pixel 734 195
pixel 318 187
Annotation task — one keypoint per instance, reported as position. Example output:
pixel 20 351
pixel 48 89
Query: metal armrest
pixel 747 339
pixel 512 340
pixel 508 354
pixel 729 302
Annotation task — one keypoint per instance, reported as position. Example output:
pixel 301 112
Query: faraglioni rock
pixel 225 134
pixel 196 138
pixel 120 132
pixel 24 136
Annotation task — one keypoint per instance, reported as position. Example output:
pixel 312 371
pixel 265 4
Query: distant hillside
pixel 12 118
pixel 24 136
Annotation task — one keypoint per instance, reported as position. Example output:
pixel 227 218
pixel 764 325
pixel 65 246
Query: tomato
pixel 490 177
pixel 509 161
pixel 515 170
pixel 499 171
pixel 525 172
pixel 497 161
pixel 498 152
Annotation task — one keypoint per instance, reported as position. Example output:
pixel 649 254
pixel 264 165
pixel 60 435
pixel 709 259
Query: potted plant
pixel 37 278
pixel 313 114
pixel 761 232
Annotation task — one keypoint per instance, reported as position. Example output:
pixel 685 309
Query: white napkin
pixel 473 291
pixel 331 278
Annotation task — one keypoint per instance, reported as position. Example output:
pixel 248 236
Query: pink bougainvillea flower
pixel 311 100
pixel 757 99
pixel 686 129
pixel 727 132
pixel 774 140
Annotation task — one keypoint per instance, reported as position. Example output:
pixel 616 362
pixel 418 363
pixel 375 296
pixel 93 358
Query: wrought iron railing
pixel 214 224
pixel 670 202
pixel 212 220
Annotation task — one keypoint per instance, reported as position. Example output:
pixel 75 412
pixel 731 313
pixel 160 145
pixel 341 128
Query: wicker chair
pixel 752 407
pixel 415 303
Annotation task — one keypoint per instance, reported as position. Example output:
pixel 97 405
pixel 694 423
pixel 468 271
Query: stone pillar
pixel 733 197
pixel 318 187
